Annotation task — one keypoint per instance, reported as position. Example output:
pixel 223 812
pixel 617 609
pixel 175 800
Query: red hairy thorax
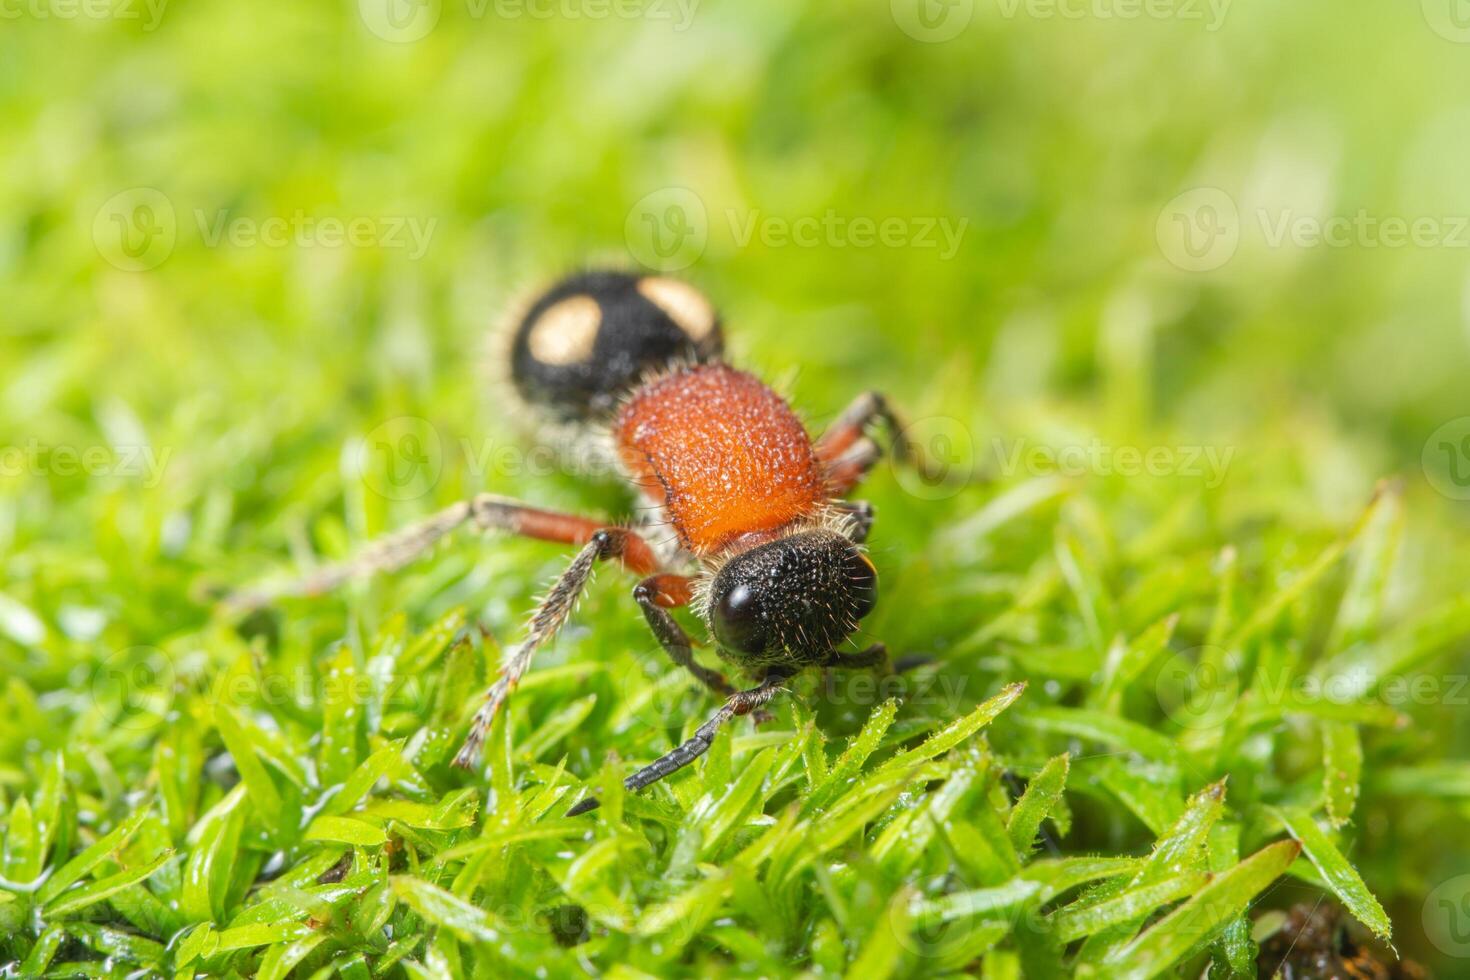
pixel 722 453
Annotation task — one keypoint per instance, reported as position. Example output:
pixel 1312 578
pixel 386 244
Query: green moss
pixel 1220 541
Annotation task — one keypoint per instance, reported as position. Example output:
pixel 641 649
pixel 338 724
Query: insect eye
pixel 738 620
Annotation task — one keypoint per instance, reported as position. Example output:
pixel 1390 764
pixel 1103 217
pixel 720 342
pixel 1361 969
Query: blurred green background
pixel 248 236
pixel 523 144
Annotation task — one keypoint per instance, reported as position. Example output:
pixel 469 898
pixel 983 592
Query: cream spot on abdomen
pixel 567 332
pixel 684 304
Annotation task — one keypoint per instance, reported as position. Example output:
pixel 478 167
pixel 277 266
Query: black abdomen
pixel 590 338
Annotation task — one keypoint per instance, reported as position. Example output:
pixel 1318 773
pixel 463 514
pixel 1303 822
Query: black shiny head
pixel 591 337
pixel 792 600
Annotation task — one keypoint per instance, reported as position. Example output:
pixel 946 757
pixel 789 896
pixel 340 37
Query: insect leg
pixel 862 515
pixel 486 511
pixel 557 605
pixel 656 595
pixel 843 451
pixel 849 469
pixel 739 703
pixel 874 656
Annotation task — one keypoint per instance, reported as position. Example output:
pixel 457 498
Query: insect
pixel 766 547
pixel 1314 943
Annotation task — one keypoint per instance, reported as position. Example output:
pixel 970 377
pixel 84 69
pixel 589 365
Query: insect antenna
pixel 740 703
